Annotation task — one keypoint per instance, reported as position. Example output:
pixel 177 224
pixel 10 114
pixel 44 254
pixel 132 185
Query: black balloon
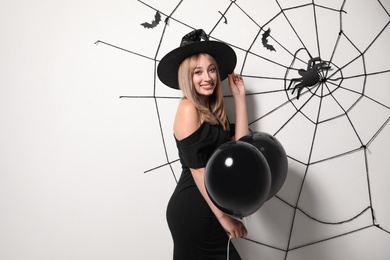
pixel 237 178
pixel 275 155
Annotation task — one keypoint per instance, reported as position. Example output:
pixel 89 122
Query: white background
pixel 73 154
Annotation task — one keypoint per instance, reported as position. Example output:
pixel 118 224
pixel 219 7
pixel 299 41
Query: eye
pixel 197 72
pixel 212 69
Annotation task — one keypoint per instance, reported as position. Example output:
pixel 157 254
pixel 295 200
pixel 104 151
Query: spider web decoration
pixel 334 131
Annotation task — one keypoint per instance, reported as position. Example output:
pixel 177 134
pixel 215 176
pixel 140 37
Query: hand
pixel 236 84
pixel 234 227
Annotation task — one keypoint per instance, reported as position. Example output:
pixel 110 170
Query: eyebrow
pixel 211 65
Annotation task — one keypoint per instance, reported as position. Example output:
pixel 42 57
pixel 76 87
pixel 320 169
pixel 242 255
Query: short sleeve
pixel 196 149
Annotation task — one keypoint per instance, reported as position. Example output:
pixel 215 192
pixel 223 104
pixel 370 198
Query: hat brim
pixel 224 55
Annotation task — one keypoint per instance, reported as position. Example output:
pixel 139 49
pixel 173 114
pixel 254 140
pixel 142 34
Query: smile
pixel 207 86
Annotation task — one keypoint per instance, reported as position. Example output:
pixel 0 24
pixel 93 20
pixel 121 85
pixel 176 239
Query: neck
pixel 205 100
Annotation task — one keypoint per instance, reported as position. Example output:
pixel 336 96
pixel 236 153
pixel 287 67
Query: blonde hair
pixel 213 112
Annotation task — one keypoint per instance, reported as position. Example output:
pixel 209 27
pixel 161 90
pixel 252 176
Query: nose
pixel 206 76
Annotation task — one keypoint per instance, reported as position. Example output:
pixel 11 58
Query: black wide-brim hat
pixel 191 44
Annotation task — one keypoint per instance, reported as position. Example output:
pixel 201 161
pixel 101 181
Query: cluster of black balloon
pixel 241 175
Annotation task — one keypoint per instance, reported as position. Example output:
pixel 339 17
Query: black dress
pixel 196 232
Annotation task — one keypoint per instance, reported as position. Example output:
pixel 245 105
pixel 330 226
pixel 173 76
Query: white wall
pixel 73 154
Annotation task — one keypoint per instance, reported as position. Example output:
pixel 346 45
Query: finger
pixel 245 234
pixel 231 78
pixel 238 79
pixel 240 235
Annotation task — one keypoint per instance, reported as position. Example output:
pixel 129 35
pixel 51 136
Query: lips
pixel 207 86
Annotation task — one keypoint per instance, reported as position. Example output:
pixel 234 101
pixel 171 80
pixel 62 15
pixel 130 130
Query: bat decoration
pixel 154 23
pixel 225 22
pixel 264 40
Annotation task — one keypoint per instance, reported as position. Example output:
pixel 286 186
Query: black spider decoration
pixel 311 76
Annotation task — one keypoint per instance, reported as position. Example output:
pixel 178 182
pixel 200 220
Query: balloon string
pixel 230 238
pixel 228 247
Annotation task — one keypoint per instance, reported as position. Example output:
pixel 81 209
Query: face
pixel 205 76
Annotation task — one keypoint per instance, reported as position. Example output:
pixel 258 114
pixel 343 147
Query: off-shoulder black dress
pixel 196 232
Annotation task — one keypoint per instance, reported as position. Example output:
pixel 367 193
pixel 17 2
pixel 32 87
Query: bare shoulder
pixel 187 119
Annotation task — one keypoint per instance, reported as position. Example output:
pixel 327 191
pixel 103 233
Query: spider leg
pixel 298 86
pixel 299 92
pixel 312 62
pixel 321 66
pixel 292 81
pixel 325 67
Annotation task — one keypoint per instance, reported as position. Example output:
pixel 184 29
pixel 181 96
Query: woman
pixel 199 229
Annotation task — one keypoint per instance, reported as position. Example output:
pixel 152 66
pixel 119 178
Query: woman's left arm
pixel 237 87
